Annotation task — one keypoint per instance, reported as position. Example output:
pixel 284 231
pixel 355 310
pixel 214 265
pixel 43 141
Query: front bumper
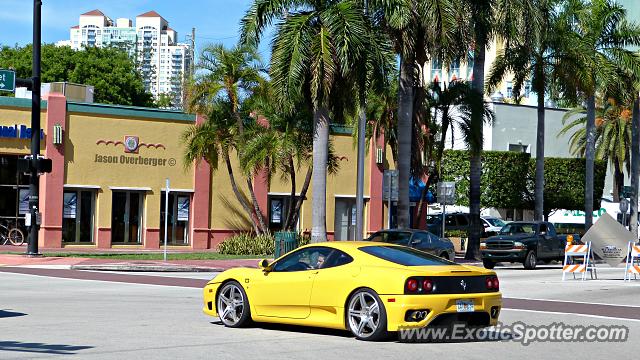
pixel 504 255
pixel 397 307
pixel 209 297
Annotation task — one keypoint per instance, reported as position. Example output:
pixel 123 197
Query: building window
pixel 278 212
pixel 454 70
pixel 519 148
pixel 527 88
pixel 14 193
pixel 78 209
pixel 509 89
pixel 436 69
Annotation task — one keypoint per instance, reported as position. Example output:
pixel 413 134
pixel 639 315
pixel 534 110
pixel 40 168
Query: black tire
pixel 531 260
pixel 488 264
pixel 16 237
pixel 445 256
pixel 243 318
pixel 380 333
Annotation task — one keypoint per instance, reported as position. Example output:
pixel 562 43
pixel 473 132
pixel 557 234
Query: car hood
pixel 515 237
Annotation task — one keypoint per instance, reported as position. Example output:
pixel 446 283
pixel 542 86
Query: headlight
pixel 483 246
pixel 518 245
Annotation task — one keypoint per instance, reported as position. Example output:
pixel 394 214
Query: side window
pixel 551 230
pixel 543 229
pixel 462 220
pixel 450 220
pixel 422 236
pixel 337 258
pixel 378 237
pixel 303 259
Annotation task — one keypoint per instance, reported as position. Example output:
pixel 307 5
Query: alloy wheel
pixel 364 314
pixel 230 304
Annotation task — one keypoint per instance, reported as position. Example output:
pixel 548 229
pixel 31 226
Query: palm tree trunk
pixel 539 183
pixel 256 208
pixel 635 166
pixel 292 196
pixel 303 195
pixel 618 179
pixel 477 122
pixel 590 156
pixel 320 156
pixel 405 113
pixel 239 196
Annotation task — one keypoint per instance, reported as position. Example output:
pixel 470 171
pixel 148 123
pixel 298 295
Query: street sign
pixel 7 80
pixel 624 206
pixel 390 185
pixel 446 192
pixel 626 191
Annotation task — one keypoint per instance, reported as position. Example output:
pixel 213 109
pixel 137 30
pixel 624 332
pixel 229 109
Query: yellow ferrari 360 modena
pixel 367 288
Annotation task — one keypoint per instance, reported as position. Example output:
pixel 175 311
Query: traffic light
pixel 42 165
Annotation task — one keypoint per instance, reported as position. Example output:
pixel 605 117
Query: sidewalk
pixel 79 263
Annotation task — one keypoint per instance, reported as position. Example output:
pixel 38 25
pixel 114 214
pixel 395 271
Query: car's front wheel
pixel 366 316
pixel 531 260
pixel 488 264
pixel 233 305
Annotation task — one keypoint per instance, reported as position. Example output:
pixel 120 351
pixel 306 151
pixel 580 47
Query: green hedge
pixel 502 182
pixel 250 244
pixel 247 244
pixel 508 180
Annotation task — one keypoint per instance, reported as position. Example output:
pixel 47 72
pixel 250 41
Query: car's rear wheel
pixel 233 305
pixel 366 316
pixel 488 264
pixel 531 260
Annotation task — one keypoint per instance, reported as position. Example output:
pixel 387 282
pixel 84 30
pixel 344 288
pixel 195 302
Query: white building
pixel 162 60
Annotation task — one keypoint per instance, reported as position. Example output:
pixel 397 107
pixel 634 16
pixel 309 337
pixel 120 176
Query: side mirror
pixel 543 233
pixel 264 265
pixel 416 241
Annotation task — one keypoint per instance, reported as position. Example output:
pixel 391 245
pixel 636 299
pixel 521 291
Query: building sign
pixel 17 132
pixel 23 206
pixel 134 160
pixel 69 205
pixel 276 211
pixel 183 208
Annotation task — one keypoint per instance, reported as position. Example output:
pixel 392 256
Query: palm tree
pixel 613 137
pixel 531 54
pixel 316 45
pixel 228 75
pixel 215 139
pixel 599 37
pixel 420 30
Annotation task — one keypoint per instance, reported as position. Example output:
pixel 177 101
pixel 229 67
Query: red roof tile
pixel 95 12
pixel 76 27
pixel 150 14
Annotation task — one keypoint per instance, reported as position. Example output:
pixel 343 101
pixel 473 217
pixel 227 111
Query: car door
pixel 331 287
pixel 422 241
pixel 546 242
pixel 285 291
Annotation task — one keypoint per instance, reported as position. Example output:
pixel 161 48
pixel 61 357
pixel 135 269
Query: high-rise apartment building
pixel 162 60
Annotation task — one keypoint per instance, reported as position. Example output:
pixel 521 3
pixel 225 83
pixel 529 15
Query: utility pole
pixel 635 166
pixel 34 183
pixel 362 128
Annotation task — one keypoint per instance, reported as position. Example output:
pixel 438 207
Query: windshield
pixel 496 222
pixel 521 228
pixel 404 256
pixel 401 238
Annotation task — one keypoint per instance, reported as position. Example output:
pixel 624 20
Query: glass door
pixel 77 216
pixel 14 193
pixel 345 219
pixel 178 230
pixel 126 217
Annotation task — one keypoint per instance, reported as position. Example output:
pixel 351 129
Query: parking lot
pixel 45 315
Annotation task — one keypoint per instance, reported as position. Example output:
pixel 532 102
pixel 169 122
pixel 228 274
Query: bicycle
pixel 13 236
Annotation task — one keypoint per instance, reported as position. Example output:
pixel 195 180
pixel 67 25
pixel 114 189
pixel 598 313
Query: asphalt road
pixel 115 316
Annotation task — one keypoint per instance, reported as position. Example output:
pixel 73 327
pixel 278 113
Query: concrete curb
pixel 145 268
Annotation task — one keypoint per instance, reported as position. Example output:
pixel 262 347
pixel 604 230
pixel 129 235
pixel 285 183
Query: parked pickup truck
pixel 526 242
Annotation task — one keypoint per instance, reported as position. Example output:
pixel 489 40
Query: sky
pixel 214 20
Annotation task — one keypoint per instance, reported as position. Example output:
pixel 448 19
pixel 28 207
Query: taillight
pixel 492 283
pixel 427 285
pixel 412 285
pixel 483 246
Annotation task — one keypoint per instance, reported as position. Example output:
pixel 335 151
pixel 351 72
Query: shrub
pixel 247 244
